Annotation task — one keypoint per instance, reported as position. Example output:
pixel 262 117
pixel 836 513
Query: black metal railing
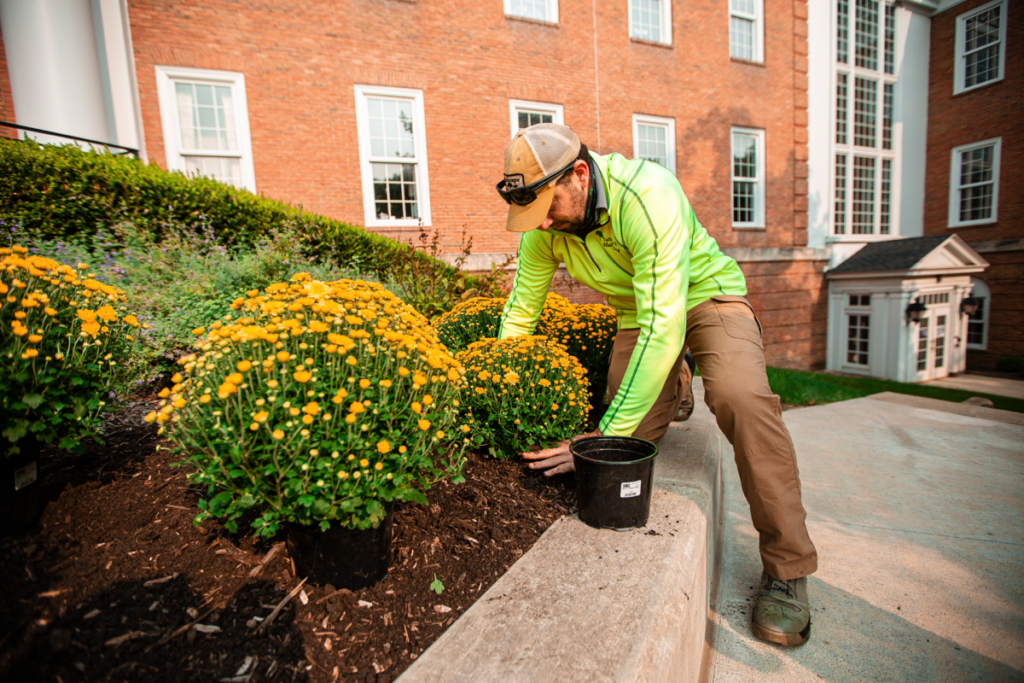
pixel 126 150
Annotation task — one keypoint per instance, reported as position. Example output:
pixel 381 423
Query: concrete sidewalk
pixel 917 510
pixel 982 384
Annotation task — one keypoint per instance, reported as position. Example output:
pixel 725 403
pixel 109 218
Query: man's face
pixel 569 203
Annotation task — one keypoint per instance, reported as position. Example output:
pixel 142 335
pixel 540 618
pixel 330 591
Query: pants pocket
pixel 739 321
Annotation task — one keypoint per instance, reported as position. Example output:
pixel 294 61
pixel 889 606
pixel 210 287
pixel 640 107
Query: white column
pixel 54 66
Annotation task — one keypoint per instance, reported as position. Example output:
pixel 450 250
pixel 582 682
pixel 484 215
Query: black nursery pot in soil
pixel 21 498
pixel 342 557
pixel 613 480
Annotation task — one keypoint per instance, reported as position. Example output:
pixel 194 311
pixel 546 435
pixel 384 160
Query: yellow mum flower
pixel 423 424
pixel 235 378
pixel 261 416
pixel 307 419
pixel 164 393
pixel 364 463
pixel 386 383
pixel 278 434
pixel 364 384
pixel 86 315
pixel 199 331
pixel 107 314
pixel 417 407
pixel 128 319
pixel 283 356
pixel 403 372
pixel 205 398
pixel 356 408
pixel 51 311
pixel 150 417
pixel 439 435
pixel 379 466
pixel 312 408
pixel 30 353
pixel 35 338
pixel 243 366
pixel 177 378
pixel 428 399
pixel 302 376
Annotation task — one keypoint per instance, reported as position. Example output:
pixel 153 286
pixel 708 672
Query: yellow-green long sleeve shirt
pixel 652 260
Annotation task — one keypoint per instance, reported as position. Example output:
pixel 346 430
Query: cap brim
pixel 526 218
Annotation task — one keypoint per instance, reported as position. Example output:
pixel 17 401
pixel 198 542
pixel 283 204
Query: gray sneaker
pixel 782 613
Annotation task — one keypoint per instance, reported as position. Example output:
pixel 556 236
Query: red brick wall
pixel 6 100
pixel 1005 280
pixel 301 59
pixel 790 299
pixel 993 110
pixel 990 111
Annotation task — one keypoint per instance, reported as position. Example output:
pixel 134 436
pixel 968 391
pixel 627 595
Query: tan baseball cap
pixel 535 154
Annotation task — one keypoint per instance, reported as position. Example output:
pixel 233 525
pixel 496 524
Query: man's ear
pixel 582 172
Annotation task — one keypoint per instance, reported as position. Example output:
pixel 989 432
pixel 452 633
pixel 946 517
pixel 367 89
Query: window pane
pixel 922 345
pixel 206 115
pixel 652 143
pixel 841 108
pixel 890 39
pixel 865 104
pixel 866 33
pixel 858 339
pixel 741 38
pixel 743 204
pixel 840 199
pixel 646 15
pixel 863 196
pixel 227 170
pixel 887 91
pixel 976 324
pixel 981 47
pixel 744 155
pixel 530 9
pixel 884 210
pixel 977 184
pixel 843 31
pixel 940 341
pixel 394 189
pixel 524 120
pixel 391 128
pixel 742 6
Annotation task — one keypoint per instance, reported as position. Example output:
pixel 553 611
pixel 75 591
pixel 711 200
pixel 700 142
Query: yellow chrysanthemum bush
pixel 588 332
pixel 522 392
pixel 318 403
pixel 470 321
pixel 66 343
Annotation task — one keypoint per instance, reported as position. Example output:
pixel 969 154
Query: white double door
pixel 931 346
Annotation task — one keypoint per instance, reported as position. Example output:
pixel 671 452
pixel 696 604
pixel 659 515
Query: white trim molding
pixel 664 14
pixel 516 107
pixel 962 53
pixel 955 185
pixel 177 153
pixel 527 9
pixel 408 102
pixel 757 180
pixel 652 124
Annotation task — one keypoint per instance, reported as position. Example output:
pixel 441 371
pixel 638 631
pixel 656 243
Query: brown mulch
pixel 116 583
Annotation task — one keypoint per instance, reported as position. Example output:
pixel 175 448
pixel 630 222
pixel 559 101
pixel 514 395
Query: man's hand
pixel 556 460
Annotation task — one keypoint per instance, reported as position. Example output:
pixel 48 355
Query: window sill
pixel 978 224
pixel 747 62
pixel 528 20
pixel 652 43
pixel 750 228
pixel 976 88
pixel 831 239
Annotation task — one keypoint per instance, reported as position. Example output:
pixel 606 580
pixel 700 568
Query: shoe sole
pixel 784 639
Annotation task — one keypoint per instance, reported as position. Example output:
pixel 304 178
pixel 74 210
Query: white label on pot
pixel 629 489
pixel 25 476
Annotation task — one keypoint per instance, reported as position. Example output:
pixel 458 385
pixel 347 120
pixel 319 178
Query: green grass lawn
pixel 812 388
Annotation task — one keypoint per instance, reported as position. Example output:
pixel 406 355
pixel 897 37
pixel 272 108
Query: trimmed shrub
pixel 66 344
pixel 318 403
pixel 522 392
pixel 1010 364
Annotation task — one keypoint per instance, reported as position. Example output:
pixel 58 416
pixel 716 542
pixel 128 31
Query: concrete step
pixel 599 605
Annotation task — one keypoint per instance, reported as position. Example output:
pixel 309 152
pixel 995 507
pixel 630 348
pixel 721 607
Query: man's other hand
pixel 558 459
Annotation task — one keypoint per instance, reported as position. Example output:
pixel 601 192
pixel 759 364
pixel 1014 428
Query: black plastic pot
pixel 613 480
pixel 342 557
pixel 21 497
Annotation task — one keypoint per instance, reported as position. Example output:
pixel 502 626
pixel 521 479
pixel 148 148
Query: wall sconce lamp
pixel 915 311
pixel 970 305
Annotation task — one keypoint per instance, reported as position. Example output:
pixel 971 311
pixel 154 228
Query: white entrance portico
pixel 897 309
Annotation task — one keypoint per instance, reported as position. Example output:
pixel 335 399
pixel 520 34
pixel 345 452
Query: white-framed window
pixel 746 32
pixel 524 114
pixel 747 165
pixel 541 10
pixel 866 153
pixel 980 46
pixel 654 139
pixel 858 329
pixel 974 183
pixel 977 322
pixel 651 20
pixel 392 156
pixel 206 124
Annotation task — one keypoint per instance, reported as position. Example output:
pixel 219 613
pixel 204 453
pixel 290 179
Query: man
pixel 625 228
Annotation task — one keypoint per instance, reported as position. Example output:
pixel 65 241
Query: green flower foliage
pixel 318 403
pixel 522 392
pixel 66 345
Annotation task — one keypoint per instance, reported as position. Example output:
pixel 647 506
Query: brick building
pixel 975 149
pixel 334 105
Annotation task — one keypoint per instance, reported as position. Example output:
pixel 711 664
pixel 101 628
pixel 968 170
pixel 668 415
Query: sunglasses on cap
pixel 524 196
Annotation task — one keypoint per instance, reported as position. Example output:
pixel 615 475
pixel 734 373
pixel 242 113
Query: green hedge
pixel 64 192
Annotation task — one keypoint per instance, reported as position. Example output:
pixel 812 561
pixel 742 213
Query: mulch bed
pixel 116 584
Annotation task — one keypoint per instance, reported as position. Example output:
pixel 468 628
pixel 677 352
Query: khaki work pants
pixel 724 338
